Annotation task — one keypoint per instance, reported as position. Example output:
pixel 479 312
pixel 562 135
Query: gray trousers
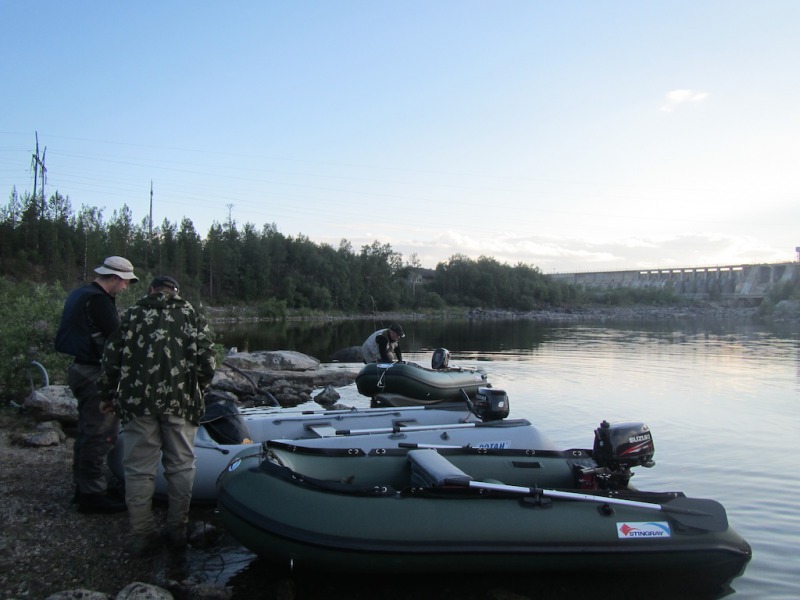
pixel 147 439
pixel 97 431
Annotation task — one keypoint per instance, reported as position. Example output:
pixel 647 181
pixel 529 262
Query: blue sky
pixel 568 135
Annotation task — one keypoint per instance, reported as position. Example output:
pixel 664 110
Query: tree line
pixel 44 240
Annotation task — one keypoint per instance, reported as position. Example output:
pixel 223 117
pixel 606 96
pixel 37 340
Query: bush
pixel 29 317
pixel 272 308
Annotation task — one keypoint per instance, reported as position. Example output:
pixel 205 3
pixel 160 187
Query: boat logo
pixel 648 529
pixel 235 464
pixel 494 445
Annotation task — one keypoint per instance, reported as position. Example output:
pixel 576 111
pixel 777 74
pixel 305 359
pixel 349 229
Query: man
pixel 384 345
pixel 154 370
pixel 88 319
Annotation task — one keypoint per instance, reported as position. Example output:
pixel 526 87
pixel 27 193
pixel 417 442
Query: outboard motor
pixel 440 359
pixel 491 404
pixel 223 421
pixel 617 448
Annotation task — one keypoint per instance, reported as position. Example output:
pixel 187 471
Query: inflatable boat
pixel 472 510
pixel 412 381
pixel 226 430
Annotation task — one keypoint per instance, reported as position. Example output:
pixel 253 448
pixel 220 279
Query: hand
pixel 106 407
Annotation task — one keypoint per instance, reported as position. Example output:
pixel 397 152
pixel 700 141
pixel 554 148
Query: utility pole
pixel 37 164
pixel 150 233
pixel 149 230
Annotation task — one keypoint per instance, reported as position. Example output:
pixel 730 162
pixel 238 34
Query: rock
pixel 202 534
pixel 79 594
pixel 352 354
pixel 41 439
pixel 287 393
pixel 52 426
pixel 204 591
pixel 280 360
pixel 53 402
pixel 143 591
pixel 327 397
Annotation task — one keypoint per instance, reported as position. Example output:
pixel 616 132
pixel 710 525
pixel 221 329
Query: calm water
pixel 720 398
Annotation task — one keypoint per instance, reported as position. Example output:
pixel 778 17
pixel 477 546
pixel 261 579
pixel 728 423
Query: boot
pixel 144 544
pixel 177 537
pixel 99 504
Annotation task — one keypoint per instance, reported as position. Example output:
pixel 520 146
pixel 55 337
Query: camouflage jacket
pixel 159 360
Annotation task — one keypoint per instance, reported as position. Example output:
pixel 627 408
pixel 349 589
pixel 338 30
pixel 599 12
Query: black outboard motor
pixel 491 404
pixel 440 359
pixel 617 448
pixel 223 421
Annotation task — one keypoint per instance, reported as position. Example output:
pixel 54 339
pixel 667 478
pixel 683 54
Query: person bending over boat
pixel 384 345
pixel 155 367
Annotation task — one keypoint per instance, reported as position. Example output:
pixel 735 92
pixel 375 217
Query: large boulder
pixel 273 360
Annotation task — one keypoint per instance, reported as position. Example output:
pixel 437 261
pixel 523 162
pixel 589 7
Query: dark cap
pixel 164 281
pixel 397 329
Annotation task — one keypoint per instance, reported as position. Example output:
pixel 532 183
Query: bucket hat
pixel 116 265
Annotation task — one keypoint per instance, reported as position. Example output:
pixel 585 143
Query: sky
pixel 567 135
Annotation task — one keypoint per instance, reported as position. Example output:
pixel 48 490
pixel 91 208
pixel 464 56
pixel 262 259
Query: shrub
pixel 29 317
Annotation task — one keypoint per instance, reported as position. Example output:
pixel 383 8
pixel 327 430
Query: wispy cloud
pixel 677 97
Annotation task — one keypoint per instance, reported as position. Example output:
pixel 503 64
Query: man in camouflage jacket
pixel 155 366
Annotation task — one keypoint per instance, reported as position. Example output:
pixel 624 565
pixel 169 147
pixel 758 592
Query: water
pixel 721 400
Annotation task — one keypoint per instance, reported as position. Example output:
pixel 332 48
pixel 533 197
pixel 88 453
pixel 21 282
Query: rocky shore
pixel 50 550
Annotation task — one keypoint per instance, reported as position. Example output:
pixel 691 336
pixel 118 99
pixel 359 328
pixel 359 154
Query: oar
pixel 415 446
pixel 435 427
pixel 699 513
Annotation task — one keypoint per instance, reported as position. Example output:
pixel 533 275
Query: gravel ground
pixel 46 545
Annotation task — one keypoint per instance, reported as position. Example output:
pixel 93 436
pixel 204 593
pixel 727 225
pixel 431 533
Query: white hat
pixel 116 265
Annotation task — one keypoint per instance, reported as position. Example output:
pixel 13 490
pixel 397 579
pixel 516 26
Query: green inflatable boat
pixel 416 383
pixel 471 510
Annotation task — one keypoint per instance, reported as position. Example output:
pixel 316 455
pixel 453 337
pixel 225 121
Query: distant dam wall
pixel 737 282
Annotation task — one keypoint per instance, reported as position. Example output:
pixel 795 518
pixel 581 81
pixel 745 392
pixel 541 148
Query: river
pixel 720 397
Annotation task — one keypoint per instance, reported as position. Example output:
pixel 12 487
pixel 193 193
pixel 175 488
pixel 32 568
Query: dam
pixel 748 283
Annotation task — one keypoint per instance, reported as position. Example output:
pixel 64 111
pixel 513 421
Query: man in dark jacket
pixel 155 367
pixel 89 317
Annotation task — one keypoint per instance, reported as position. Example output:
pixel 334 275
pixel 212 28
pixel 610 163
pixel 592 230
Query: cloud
pixel 676 97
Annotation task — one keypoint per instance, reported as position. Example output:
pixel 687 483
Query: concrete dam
pixel 748 283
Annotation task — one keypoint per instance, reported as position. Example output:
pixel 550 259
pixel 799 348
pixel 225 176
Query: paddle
pixel 692 512
pixel 435 427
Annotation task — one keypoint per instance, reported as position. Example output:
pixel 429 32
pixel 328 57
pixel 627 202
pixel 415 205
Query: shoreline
pixel 558 314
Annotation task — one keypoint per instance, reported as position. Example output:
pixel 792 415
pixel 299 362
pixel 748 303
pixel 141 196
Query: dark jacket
pixel 89 317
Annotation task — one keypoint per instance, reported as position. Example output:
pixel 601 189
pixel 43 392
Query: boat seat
pixel 431 469
pixel 322 429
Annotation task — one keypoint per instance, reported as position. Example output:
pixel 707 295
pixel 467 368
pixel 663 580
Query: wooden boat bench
pixel 431 469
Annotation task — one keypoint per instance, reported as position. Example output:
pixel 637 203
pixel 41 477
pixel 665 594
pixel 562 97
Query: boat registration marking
pixel 494 445
pixel 644 529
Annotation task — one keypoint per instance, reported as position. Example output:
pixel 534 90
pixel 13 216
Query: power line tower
pixel 37 164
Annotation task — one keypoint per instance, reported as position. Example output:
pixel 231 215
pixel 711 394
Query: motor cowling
pixel 491 404
pixel 440 359
pixel 223 421
pixel 620 446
